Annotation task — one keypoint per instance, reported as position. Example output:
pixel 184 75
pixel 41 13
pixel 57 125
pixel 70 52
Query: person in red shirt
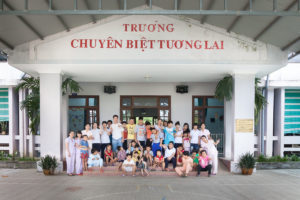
pixel 109 156
pixel 125 134
pixel 159 160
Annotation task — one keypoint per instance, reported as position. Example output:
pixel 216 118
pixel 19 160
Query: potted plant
pixel 247 163
pixel 3 125
pixel 48 164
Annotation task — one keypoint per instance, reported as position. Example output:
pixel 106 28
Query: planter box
pixel 17 164
pixel 278 165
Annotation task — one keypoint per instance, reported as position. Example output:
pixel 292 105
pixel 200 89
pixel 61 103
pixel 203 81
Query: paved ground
pixel 30 185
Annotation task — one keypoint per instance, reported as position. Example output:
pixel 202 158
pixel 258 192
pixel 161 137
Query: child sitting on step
pixel 159 160
pixel 109 156
pixel 121 155
pixel 95 160
pixel 128 166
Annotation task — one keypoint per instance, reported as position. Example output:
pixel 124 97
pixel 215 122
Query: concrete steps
pixel 113 171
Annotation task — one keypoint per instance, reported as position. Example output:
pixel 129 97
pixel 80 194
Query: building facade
pixel 146 59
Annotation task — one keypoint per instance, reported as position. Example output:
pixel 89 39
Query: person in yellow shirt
pixel 131 131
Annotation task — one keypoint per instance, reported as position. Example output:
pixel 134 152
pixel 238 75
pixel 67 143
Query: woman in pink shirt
pixel 204 163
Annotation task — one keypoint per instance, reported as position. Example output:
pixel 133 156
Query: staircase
pixel 113 171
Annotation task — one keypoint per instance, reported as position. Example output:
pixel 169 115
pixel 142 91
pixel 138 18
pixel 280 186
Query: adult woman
pixel 204 131
pixel 70 153
pixel 210 146
pixel 78 162
pixel 186 127
pixel 89 133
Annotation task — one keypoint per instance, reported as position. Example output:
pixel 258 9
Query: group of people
pixel 142 146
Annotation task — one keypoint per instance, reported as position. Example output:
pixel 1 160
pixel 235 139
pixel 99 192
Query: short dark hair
pixel 203 136
pixel 202 151
pixel 186 153
pixel 119 148
pixel 195 124
pixel 109 121
pixel 94 150
pixel 180 145
pixel 124 122
pixel 158 150
pixel 128 154
pixel 170 122
pixel 148 146
pixel 104 122
pixel 140 118
pixel 186 131
pixel 202 123
pixel 84 136
pixel 177 123
pixel 194 151
pixel 171 142
pixel 147 123
pixel 115 116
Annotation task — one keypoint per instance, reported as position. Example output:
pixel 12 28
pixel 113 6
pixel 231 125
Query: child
pixel 130 130
pixel 105 140
pixel 159 160
pixel 148 154
pixel 156 139
pixel 210 146
pixel 195 158
pixel 148 133
pixel 187 165
pixel 125 134
pixel 95 160
pixel 169 133
pixel 84 152
pixel 170 155
pixel 142 164
pixel 109 156
pixel 70 153
pixel 179 154
pixel 131 147
pixel 178 135
pixel 78 162
pixel 128 166
pixel 140 132
pixel 186 141
pixel 195 138
pixel 204 163
pixel 121 156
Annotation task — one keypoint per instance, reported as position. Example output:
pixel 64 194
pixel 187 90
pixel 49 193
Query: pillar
pixel 50 115
pixel 240 109
pixel 279 99
pixel 269 123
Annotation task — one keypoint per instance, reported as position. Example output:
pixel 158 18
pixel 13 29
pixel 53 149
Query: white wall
pixel 181 104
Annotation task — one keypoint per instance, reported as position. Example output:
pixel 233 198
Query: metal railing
pixel 247 10
pixel 220 146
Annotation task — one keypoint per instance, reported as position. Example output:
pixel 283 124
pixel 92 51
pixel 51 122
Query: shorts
pixel 84 155
pixel 121 161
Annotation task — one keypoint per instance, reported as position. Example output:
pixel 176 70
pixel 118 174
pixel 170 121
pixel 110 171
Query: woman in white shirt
pixel 204 131
pixel 89 133
pixel 212 152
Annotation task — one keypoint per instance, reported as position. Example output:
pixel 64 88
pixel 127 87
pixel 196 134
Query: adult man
pixel 117 133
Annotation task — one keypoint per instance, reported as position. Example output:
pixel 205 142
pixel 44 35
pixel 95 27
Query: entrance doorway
pixel 83 110
pixel 150 108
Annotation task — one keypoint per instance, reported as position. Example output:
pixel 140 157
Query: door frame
pixel 158 107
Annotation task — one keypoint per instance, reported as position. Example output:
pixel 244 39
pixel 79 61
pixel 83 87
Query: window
pixel 151 108
pixel 83 110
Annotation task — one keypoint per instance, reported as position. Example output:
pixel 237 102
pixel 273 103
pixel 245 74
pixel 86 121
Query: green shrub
pixel 48 162
pixel 294 158
pixel 247 161
pixel 286 158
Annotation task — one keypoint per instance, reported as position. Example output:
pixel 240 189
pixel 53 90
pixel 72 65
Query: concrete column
pixel 50 111
pixel 279 99
pixel 65 118
pixel 228 127
pixel 13 118
pixel 242 108
pixel 22 132
pixel 269 123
